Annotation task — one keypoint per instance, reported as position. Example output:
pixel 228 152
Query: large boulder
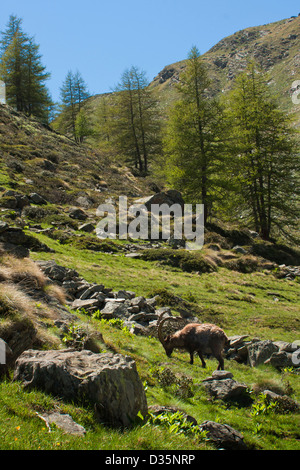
pixel 109 381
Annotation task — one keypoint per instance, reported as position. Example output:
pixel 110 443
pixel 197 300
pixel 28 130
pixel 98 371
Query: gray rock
pixel 139 302
pixel 85 304
pixel 64 422
pixel 239 249
pixel 91 290
pixel 282 359
pixel 114 309
pixel 223 436
pixel 225 389
pixel 3 226
pixel 36 198
pixel 260 351
pixel 284 403
pixel 89 228
pixel 108 381
pixel 78 214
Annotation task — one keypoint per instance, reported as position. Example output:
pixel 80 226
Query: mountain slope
pixel 275 46
pixel 34 158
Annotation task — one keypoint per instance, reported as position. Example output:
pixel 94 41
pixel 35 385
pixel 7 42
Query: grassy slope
pixel 238 302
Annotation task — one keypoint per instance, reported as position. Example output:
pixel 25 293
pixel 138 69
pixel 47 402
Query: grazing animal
pixel 202 338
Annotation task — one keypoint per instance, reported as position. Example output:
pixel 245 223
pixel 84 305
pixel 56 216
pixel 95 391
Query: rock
pixel 125 294
pixel 284 403
pixel 108 381
pixel 139 302
pixel 64 422
pixel 86 304
pixel 222 374
pixel 137 329
pixel 223 436
pixel 239 249
pixel 221 386
pixel 84 201
pixel 56 272
pixel 89 228
pixel 282 359
pixel 260 351
pixel 91 290
pixel 169 197
pixel 114 309
pixel 158 409
pixel 6 358
pixel 3 226
pixel 78 214
pixel 36 198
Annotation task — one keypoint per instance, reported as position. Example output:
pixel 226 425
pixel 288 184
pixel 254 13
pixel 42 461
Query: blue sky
pixel 103 38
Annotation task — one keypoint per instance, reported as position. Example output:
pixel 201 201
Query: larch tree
pixel 135 128
pixel 22 71
pixel 263 155
pixel 73 93
pixel 193 140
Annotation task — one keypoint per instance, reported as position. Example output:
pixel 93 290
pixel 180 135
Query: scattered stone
pixel 78 214
pixel 91 290
pixel 222 386
pixel 114 309
pixel 239 249
pixel 282 359
pixel 223 436
pixel 89 228
pixel 85 304
pixel 64 422
pixel 284 403
pixel 36 198
pixel 158 409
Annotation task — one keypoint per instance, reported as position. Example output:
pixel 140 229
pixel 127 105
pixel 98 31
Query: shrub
pixel 183 259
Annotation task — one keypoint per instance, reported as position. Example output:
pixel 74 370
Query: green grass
pixel 240 303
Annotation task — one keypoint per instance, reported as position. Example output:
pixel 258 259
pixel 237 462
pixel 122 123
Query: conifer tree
pixel 263 158
pixel 22 71
pixel 193 141
pixel 73 92
pixel 135 125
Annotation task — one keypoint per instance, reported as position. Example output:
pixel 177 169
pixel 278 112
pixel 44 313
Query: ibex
pixel 202 338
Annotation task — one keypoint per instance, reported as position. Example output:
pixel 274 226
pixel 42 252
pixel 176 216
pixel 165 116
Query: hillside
pixel 61 287
pixel 34 158
pixel 274 46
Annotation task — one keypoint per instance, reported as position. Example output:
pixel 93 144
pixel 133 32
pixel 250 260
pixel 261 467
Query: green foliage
pixel 193 142
pixel 176 423
pixel 22 71
pixel 180 383
pixel 73 92
pixel 75 337
pixel 263 157
pixel 183 259
pixel 134 124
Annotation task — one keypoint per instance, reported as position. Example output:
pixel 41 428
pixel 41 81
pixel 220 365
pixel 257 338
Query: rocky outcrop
pixel 138 313
pixel 254 352
pixel 108 381
pixel 15 241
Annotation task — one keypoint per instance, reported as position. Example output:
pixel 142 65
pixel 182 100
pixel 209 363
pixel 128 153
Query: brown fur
pixel 201 338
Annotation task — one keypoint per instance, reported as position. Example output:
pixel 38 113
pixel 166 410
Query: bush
pixel 183 259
